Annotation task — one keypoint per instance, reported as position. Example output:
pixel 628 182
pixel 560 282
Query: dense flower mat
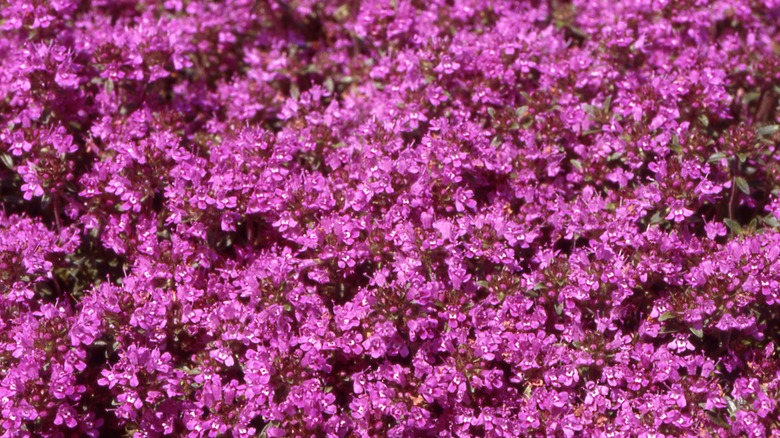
pixel 398 218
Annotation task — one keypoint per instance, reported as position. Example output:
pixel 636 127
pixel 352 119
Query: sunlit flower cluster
pixel 397 218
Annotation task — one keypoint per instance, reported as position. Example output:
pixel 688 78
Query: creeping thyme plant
pixel 402 218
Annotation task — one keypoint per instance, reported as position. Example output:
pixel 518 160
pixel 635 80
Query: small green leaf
pixel 704 120
pixel 766 131
pixel 666 316
pixel 576 163
pixel 615 156
pixel 590 109
pixel 743 185
pixel 268 426
pixel 521 112
pixel 732 407
pixel 71 188
pixel 752 96
pixel 771 221
pixel 697 332
pixel 742 157
pixel 733 225
pixel 342 13
pixel 607 104
pixel 717 156
pixel 577 31
pixel 491 112
pixel 8 161
pixel 675 146
pixel 483 283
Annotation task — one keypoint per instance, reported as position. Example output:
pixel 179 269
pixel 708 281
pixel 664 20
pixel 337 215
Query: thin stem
pixel 731 199
pixel 57 221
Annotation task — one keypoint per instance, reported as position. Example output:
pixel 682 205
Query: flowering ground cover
pixel 397 218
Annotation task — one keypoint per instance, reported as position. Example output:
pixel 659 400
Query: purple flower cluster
pixel 395 218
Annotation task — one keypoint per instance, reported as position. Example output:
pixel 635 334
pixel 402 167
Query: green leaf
pixel 717 156
pixel 342 13
pixel 766 131
pixel 666 316
pixel 268 426
pixel 732 407
pixel 483 283
pixel 576 163
pixel 743 185
pixel 615 156
pixel 675 146
pixel 8 161
pixel 697 332
pixel 733 225
pixel 590 109
pixel 752 96
pixel 704 120
pixel 771 221
pixel 522 111
pixel 577 31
